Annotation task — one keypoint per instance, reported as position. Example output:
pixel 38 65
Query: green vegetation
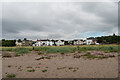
pixel 32 70
pixel 16 55
pixel 106 51
pixel 29 67
pixel 9 66
pixel 62 53
pixel 21 50
pixel 89 56
pixel 61 68
pixel 7 43
pixel 44 70
pixel 10 75
pixel 64 49
pixel 7 55
pixel 40 52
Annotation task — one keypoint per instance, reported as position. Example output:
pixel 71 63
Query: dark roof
pixel 43 40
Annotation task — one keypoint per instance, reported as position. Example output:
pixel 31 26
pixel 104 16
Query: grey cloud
pixel 57 20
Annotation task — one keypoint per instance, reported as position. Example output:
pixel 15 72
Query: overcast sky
pixel 71 20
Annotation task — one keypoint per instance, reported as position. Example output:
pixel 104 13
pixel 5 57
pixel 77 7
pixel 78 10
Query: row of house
pixel 24 43
pixel 48 42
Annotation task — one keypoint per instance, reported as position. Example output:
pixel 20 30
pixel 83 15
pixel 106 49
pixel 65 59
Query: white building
pixel 89 42
pixel 18 43
pixel 44 42
pixel 79 42
pixel 47 42
pixel 59 42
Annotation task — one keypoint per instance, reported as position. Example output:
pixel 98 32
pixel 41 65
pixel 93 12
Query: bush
pixel 62 53
pixel 44 70
pixel 32 70
pixel 10 75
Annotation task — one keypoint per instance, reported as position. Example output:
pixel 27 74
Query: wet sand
pixel 60 67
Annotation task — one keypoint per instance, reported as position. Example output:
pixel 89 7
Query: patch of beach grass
pixel 17 55
pixel 40 52
pixel 9 66
pixel 29 67
pixel 59 68
pixel 10 75
pixel 45 70
pixel 32 70
pixel 21 50
pixel 7 55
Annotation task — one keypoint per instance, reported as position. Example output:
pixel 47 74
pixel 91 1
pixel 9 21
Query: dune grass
pixel 63 49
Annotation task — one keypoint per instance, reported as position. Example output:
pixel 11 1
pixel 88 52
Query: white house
pixel 44 42
pixel 59 42
pixel 18 43
pixel 79 42
pixel 89 42
pixel 47 42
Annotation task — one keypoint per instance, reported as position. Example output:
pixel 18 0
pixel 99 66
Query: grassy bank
pixel 63 49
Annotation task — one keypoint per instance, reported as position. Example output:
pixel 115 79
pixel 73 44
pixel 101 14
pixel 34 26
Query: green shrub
pixel 44 70
pixel 62 53
pixel 29 67
pixel 9 66
pixel 79 51
pixel 10 75
pixel 32 70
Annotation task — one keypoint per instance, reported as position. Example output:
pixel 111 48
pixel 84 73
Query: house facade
pixel 47 42
pixel 24 43
pixel 59 42
pixel 92 42
pixel 79 42
pixel 44 42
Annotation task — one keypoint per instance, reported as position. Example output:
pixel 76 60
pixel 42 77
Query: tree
pixel 25 39
pixel 19 40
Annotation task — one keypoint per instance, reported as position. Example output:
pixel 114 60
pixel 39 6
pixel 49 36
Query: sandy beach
pixel 60 66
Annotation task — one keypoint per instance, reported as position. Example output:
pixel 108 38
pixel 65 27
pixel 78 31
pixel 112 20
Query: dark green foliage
pixel 10 75
pixel 44 70
pixel 89 56
pixel 32 70
pixel 9 66
pixel 8 43
pixel 29 67
pixel 62 53
pixel 109 39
